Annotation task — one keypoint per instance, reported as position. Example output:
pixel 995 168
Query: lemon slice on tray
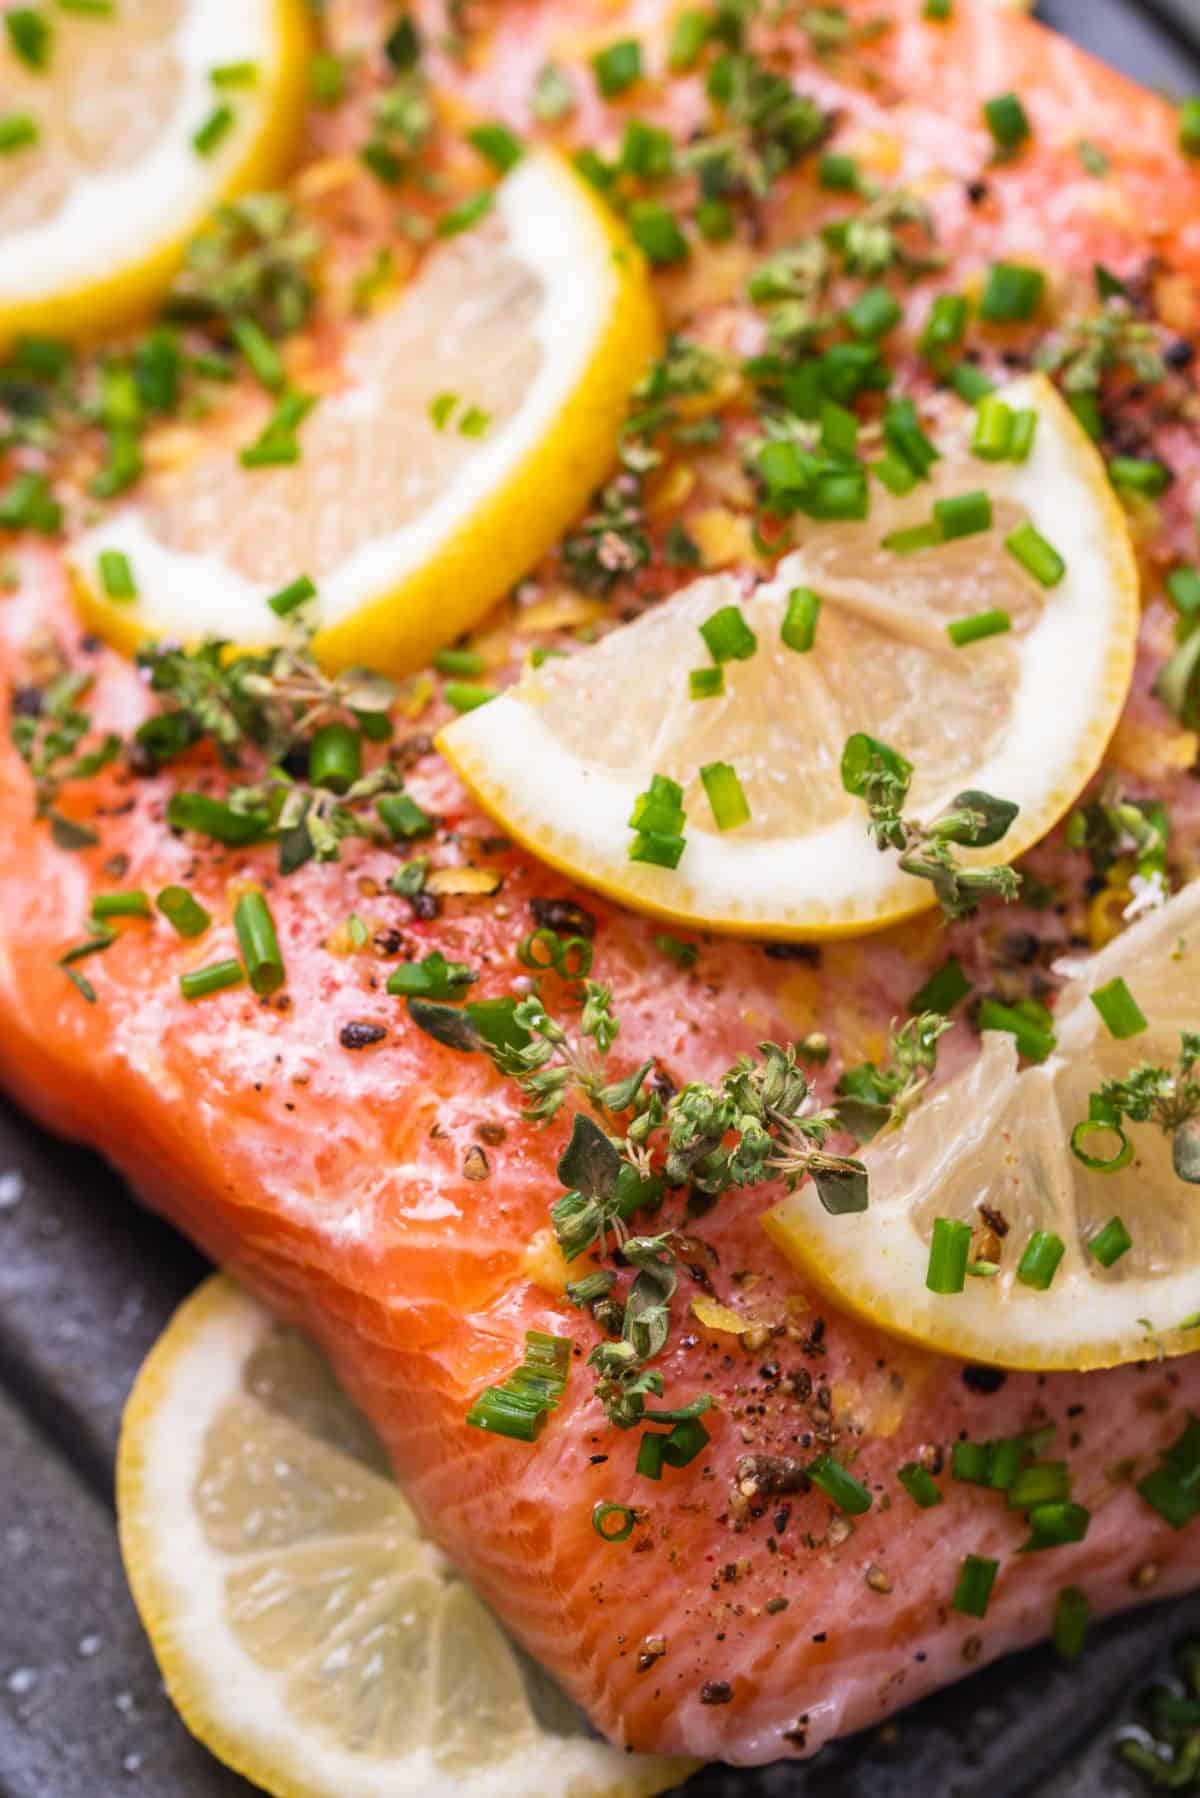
pixel 307 1632
pixel 122 128
pixel 765 685
pixel 476 416
pixel 1088 1255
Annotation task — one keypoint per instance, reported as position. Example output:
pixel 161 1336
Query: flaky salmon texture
pixel 383 1190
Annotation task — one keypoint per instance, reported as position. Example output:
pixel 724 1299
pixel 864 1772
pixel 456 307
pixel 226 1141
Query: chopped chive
pixel 459 661
pixel 688 1439
pixel 402 46
pixel 212 979
pixel 978 626
pixel 1109 1244
pixel 949 1252
pixel 728 636
pixel 213 818
pixel 1056 1526
pixel 468 696
pixel 840 1487
pixel 895 475
pixel 335 757
pixel 1176 1501
pixel 973 1593
pixel 916 537
pixel 725 795
pixel 906 440
pixel 213 131
pixel 431 978
pixel 658 820
pixel 614 1523
pixel 1033 1031
pixel 327 78
pixel 1189 127
pixel 650 1455
pixel 1036 556
pixel 1008 122
pixel 290 598
pixel 946 987
pixel 234 74
pixel 1024 432
pixel 647 151
pixel 706 683
pixel 839 431
pixel 258 942
pixel 799 628
pixel 1133 474
pixel 131 904
pixel 96 9
pixel 838 173
pixel 970 383
pixel 617 66
pixel 964 514
pixel 27 503
pixel 945 326
pixel 474 422
pixel 1086 407
pixel 920 1485
pixel 992 441
pixel 17 131
pixel 1072 1614
pixel 1103 1120
pixel 970 1461
pixel 1013 293
pixel 497 145
pixel 1046 1482
pixel 183 911
pixel 1120 1010
pixel 684 955
pixel 938 11
pixel 265 361
pixel 441 406
pixel 403 817
pixel 656 231
pixel 689 34
pixel 715 221
pixel 519 1407
pixel 1183 585
pixel 1039 1264
pixel 461 218
pixel 116 576
pixel 29 35
pixel 874 314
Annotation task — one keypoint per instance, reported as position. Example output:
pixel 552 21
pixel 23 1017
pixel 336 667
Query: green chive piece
pixel 1039 1264
pixel 920 1485
pixel 1029 1022
pixel 938 11
pixel 519 1407
pixel 1045 1483
pixel 116 576
pixel 614 1523
pixel 973 1593
pixel 949 1252
pixel 658 819
pixel 131 904
pixel 970 1462
pixel 1120 1010
pixel 1189 127
pixel 213 131
pixel 964 514
pixel 799 628
pixel 403 817
pixel 234 74
pixel 461 218
pixel 840 1487
pixel 728 636
pixel 327 78
pixel 916 537
pixel 729 805
pixel 1056 1525
pixel 1176 1501
pixel 1183 585
pixel 258 942
pixel 715 221
pixel 617 67
pixel 970 383
pixel 977 626
pixel 895 475
pixel 1036 556
pixel 656 231
pixel 432 978
pixel 17 131
pixel 212 979
pixel 213 818
pixel 946 987
pixel 1103 1120
pixel 468 696
pixel 945 326
pixel 839 431
pixel 706 683
pixel 1024 434
pixel 689 34
pixel 335 757
pixel 29 35
pixel 1109 1244
pixel 874 314
pixel 992 441
pixel 1133 474
pixel 497 145
pixel 184 912
pixel 684 955
pixel 838 173
pixel 1086 407
pixel 466 662
pixel 1008 122
pixel 1013 293
pixel 266 364
pixel 1072 1615
pixel 659 851
pixel 441 406
pixel 289 599
pixel 647 151
pixel 650 1455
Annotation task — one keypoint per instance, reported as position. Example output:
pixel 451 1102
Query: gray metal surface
pixel 86 1283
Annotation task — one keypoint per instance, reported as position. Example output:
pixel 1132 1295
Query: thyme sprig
pixel 881 777
pixel 256 260
pixel 47 728
pixel 1166 1097
pixel 872 1099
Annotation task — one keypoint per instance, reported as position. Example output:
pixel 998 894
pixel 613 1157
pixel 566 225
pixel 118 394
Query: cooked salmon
pixel 384 1191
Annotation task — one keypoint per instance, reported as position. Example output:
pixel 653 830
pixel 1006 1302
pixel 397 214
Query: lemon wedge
pixel 307 1632
pixel 125 127
pixel 1127 1284
pixel 561 758
pixel 477 415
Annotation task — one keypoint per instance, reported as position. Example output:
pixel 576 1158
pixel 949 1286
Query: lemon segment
pixel 306 1631
pixel 476 416
pixel 96 210
pixel 561 758
pixel 999 1137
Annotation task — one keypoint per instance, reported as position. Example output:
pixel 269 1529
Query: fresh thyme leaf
pixel 1088 350
pixel 873 1098
pixel 589 1162
pixel 447 1024
pixel 255 259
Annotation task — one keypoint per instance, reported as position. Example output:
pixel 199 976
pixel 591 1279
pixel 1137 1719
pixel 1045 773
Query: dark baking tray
pixel 86 1282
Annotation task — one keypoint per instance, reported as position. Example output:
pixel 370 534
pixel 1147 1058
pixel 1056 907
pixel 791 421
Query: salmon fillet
pixel 385 1193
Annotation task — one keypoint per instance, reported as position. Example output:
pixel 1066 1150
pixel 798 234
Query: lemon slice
pixel 1001 1138
pixel 132 123
pixel 477 415
pixel 307 1632
pixel 561 758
